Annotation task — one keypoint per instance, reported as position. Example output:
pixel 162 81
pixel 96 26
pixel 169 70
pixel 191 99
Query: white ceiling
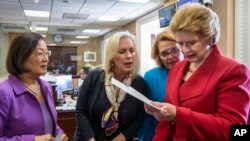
pixel 13 19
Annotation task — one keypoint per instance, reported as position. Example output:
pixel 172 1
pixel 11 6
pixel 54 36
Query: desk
pixel 66 117
pixel 67 121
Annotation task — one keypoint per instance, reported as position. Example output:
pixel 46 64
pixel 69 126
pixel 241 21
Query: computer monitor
pixel 166 14
pixel 64 82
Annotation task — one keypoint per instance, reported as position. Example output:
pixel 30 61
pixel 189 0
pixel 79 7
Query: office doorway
pixel 147 28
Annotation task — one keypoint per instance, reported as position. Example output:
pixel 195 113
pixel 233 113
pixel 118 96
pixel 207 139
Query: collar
pixel 19 87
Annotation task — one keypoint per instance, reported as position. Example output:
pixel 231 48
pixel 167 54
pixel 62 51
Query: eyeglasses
pixel 42 53
pixel 172 52
pixel 187 44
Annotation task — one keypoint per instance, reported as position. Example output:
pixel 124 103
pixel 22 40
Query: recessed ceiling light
pixel 40 28
pixel 108 18
pixel 136 1
pixel 90 30
pixel 82 37
pixel 75 42
pixel 33 13
pixel 43 35
pixel 51 44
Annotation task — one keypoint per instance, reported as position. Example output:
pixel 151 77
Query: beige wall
pixel 131 27
pixel 3 52
pixel 225 10
pixel 92 45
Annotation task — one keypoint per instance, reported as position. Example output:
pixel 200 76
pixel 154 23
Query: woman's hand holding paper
pixel 167 111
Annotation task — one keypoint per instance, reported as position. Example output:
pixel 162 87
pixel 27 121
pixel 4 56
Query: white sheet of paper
pixel 132 92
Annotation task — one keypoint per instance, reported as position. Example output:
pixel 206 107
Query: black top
pixel 93 102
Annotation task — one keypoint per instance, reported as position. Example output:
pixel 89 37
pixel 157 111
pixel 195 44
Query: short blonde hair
pixel 197 19
pixel 112 50
pixel 165 35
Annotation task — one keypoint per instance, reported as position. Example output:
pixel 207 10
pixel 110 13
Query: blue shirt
pixel 156 84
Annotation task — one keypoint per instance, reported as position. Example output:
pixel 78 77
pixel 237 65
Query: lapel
pixel 178 92
pixel 47 94
pixel 174 81
pixel 195 86
pixel 19 89
pixel 17 85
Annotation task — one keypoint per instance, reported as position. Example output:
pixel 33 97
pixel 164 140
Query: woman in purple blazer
pixel 27 111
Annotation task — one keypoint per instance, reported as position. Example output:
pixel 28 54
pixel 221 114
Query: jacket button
pixel 172 122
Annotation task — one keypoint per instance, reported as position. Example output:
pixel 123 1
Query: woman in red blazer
pixel 207 92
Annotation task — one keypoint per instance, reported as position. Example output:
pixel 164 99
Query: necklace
pixel 36 91
pixel 191 71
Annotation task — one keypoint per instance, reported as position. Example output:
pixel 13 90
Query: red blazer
pixel 216 96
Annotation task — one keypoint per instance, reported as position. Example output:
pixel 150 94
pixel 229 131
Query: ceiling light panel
pixel 91 31
pixel 43 35
pixel 108 18
pixel 82 37
pixel 32 13
pixel 40 28
pixel 75 42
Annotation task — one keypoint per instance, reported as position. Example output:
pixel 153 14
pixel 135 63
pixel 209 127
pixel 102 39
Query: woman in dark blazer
pixel 207 92
pixel 104 112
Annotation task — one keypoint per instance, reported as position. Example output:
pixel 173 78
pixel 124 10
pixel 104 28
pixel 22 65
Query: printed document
pixel 132 92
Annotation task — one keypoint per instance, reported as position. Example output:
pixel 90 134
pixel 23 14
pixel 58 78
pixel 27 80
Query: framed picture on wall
pixel 89 56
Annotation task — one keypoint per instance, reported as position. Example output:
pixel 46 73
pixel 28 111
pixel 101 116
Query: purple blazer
pixel 21 116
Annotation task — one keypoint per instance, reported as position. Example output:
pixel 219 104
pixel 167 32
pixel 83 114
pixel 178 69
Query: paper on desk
pixel 132 92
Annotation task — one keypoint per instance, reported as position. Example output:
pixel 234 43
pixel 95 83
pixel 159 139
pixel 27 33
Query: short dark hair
pixel 86 69
pixel 20 49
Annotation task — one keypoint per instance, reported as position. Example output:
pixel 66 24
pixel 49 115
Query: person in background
pixel 83 74
pixel 51 66
pixel 206 92
pixel 27 110
pixel 166 54
pixel 104 111
pixel 60 68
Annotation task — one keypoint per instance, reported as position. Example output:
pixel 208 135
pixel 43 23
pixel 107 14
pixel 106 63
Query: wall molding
pixel 242 31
